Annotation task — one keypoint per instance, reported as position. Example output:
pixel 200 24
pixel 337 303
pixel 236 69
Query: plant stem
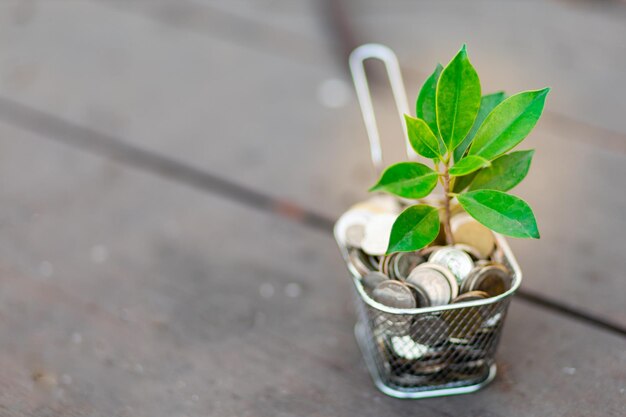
pixel 447 198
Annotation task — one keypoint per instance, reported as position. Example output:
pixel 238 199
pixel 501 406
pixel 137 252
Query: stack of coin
pixel 420 348
pixel 435 275
pixel 436 281
pixel 399 265
pixel 364 233
pixel 409 357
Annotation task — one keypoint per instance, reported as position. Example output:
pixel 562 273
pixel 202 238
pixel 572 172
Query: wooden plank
pixel 574 47
pixel 290 144
pixel 277 27
pixel 212 102
pixel 139 297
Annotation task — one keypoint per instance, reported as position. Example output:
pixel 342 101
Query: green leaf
pixel 407 179
pixel 425 108
pixel 422 138
pixel 508 124
pixel 457 100
pixel 414 228
pixel 487 103
pixel 468 165
pixel 504 173
pixel 501 212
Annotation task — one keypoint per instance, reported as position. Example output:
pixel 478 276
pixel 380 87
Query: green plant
pixel 467 136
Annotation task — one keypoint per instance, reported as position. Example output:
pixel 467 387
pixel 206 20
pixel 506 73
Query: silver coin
pixel 430 330
pixel 354 235
pixel 410 357
pixel 466 284
pixel 374 262
pixel 449 276
pixel 389 324
pixel 377 232
pixel 493 321
pixel 457 261
pixel 359 262
pixel 405 347
pixel 347 220
pixel 439 284
pixel 404 262
pixel 421 298
pixel 372 279
pixel 394 294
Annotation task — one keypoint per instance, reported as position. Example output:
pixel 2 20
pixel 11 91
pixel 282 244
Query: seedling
pixel 469 138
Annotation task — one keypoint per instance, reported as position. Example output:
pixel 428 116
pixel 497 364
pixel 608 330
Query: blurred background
pixel 170 172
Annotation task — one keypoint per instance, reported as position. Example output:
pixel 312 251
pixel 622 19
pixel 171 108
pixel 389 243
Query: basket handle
pixel 357 68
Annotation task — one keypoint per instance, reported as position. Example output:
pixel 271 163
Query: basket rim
pixel 500 243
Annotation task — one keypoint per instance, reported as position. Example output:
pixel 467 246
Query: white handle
pixel 357 68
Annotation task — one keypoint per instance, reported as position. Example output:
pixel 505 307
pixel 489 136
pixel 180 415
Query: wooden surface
pixel 140 279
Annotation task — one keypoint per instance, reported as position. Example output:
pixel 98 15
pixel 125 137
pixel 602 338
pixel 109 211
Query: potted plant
pixel 433 275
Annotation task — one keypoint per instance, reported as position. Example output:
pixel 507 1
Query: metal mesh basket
pixel 433 351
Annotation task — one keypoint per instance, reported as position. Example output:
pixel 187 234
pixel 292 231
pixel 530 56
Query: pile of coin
pixel 437 347
pixel 416 279
pixel 433 276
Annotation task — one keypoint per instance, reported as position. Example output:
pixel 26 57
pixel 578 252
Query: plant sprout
pixel 469 138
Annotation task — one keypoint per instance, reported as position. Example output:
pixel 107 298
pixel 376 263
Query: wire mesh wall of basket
pixel 431 351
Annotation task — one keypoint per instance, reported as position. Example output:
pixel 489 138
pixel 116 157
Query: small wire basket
pixel 431 351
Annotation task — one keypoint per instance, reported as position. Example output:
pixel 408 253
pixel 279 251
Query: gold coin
pixel 421 298
pixel 492 279
pixel 470 296
pixel 385 265
pixel 464 322
pixel 468 231
pixel 372 279
pixel 472 251
pixel 403 263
